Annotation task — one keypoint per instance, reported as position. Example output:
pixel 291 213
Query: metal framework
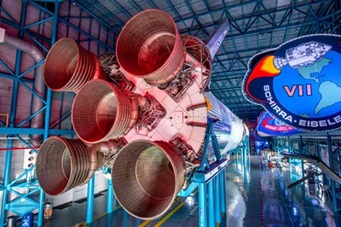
pixel 310 146
pixel 255 26
pixel 210 180
pixel 43 33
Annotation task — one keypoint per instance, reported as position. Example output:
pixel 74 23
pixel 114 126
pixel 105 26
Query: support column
pixel 90 200
pixel 202 205
pixel 48 114
pixel 7 175
pixel 125 219
pixel 211 216
pixel 237 155
pixel 109 219
pixel 13 111
pixel 223 191
pixel 110 197
pixel 330 154
pixel 217 199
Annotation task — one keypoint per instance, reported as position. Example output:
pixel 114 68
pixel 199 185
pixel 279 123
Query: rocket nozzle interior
pixel 146 177
pixel 154 52
pixel 69 66
pixel 101 111
pixel 62 164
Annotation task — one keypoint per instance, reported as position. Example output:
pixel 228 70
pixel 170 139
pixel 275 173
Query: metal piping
pixel 39 85
pixel 102 154
pixel 198 56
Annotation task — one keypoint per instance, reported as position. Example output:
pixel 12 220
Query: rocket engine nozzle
pixel 146 177
pixel 149 46
pixel 172 111
pixel 62 164
pixel 101 111
pixel 69 66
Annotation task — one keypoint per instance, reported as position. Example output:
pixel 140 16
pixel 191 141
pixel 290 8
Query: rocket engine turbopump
pixel 147 119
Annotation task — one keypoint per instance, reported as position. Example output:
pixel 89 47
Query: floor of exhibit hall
pixel 255 196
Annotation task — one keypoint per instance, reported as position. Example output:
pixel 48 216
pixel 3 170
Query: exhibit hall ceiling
pixel 255 26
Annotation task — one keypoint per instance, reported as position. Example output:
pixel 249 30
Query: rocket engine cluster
pixel 143 112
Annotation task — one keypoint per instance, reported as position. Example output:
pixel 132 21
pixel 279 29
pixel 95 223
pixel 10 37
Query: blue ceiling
pixel 255 26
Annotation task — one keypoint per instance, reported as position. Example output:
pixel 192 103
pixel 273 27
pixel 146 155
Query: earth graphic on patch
pixel 312 87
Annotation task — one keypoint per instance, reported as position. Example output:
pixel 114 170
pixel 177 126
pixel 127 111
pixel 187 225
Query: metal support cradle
pixel 210 180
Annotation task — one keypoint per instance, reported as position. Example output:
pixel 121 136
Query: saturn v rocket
pixel 143 112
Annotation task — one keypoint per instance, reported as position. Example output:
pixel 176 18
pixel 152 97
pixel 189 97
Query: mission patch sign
pixel 299 83
pixel 270 126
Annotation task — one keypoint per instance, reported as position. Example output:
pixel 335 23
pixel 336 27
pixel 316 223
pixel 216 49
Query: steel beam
pixel 90 201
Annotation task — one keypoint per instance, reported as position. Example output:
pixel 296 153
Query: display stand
pixel 210 180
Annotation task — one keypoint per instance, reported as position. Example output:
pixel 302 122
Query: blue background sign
pixel 273 127
pixel 299 83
